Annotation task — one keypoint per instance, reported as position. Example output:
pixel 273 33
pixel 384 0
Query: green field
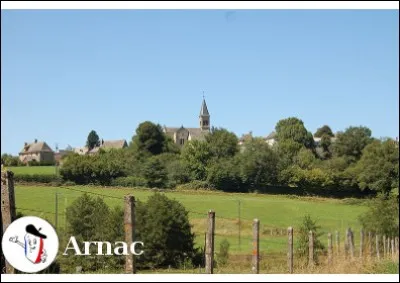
pixel 274 212
pixel 46 170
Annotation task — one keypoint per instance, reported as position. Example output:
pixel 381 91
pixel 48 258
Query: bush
pixel 382 216
pixel 163 226
pixel 41 163
pixel 37 178
pixel 130 181
pixel 223 255
pixel 195 185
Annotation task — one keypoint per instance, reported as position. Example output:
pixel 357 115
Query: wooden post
pixel 396 243
pixel 370 243
pixel 378 256
pixel 210 243
pixel 129 226
pixel 351 243
pixel 256 247
pixel 361 243
pixel 290 250
pixel 8 214
pixel 330 251
pixel 337 243
pixel 384 247
pixel 393 251
pixel 311 249
pixel 388 246
pixel 347 243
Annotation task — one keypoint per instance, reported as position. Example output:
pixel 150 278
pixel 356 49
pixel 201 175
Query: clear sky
pixel 64 73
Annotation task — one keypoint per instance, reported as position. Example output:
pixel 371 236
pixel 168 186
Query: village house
pixel 38 150
pixel 106 145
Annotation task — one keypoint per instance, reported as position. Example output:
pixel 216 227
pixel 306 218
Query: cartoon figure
pixel 34 244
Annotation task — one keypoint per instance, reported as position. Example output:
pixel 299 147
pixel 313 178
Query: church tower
pixel 204 117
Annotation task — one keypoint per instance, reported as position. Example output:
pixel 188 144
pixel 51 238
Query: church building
pixel 181 135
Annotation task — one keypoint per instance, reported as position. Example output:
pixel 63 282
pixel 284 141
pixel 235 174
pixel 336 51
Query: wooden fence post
pixel 8 214
pixel 210 243
pixel 311 249
pixel 330 249
pixel 384 246
pixel 256 247
pixel 396 243
pixel 337 243
pixel 129 227
pixel 351 243
pixel 378 256
pixel 370 243
pixel 388 247
pixel 290 249
pixel 393 250
pixel 361 243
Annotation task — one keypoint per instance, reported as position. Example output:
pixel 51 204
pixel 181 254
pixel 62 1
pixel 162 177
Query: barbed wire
pixel 92 193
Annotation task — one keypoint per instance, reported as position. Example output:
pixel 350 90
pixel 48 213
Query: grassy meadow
pixel 275 213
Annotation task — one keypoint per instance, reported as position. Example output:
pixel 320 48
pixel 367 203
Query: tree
pixel 155 173
pixel 378 168
pixel 93 140
pixel 326 145
pixel 196 156
pixel 324 130
pixel 222 143
pixel 258 164
pixel 163 225
pixel 293 129
pixel 225 175
pixel 149 138
pixel 382 216
pixel 351 142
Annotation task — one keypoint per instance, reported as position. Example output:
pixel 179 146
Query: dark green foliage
pixel 293 129
pixel 196 185
pixel 378 168
pixel 155 173
pixel 93 140
pixel 93 169
pixel 129 181
pixel 302 249
pixel 196 156
pixel 382 216
pixel 37 178
pixel 324 130
pixel 225 175
pixel 258 164
pixel 222 143
pixel 163 225
pixel 223 255
pixel 150 138
pixel 351 142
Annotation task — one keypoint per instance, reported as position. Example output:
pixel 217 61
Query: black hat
pixel 32 230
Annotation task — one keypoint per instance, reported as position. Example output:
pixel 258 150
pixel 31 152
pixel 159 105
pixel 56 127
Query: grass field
pixel 47 170
pixel 274 212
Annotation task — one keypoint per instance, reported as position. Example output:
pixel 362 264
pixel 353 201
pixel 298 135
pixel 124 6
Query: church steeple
pixel 204 116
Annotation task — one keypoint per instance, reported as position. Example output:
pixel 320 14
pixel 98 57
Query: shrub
pixel 37 178
pixel 382 216
pixel 302 244
pixel 163 225
pixel 223 255
pixel 130 181
pixel 195 185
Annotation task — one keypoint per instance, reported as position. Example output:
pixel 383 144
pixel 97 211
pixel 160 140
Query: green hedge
pixel 37 178
pixel 195 185
pixel 130 181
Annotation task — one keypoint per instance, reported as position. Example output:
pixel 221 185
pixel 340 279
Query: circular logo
pixel 30 244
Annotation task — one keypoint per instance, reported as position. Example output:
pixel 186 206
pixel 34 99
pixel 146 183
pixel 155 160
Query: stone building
pixel 181 135
pixel 38 151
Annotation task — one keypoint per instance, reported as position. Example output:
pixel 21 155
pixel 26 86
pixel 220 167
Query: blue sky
pixel 65 73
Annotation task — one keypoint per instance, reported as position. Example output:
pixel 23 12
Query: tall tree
pixel 378 168
pixel 324 130
pixel 351 142
pixel 149 138
pixel 293 129
pixel 196 156
pixel 222 143
pixel 93 140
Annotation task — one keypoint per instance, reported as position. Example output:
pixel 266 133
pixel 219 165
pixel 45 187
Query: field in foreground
pixel 276 213
pixel 45 170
